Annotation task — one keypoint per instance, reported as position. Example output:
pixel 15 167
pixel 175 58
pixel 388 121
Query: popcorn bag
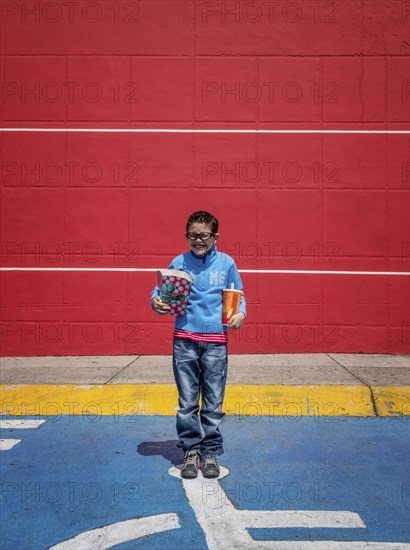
pixel 174 287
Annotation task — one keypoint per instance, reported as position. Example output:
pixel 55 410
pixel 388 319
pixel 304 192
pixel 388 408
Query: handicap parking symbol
pixel 368 462
pixel 226 527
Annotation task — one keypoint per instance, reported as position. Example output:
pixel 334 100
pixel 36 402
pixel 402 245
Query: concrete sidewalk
pixel 357 384
pixel 289 369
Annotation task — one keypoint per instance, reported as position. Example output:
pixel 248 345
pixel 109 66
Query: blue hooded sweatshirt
pixel 210 275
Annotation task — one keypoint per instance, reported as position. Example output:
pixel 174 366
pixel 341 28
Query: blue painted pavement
pixel 74 474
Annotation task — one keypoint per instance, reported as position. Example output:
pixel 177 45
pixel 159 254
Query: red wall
pixel 287 201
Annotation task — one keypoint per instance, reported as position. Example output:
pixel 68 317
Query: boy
pixel 200 344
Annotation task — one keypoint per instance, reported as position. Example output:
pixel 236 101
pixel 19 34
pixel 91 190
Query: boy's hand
pixel 159 307
pixel 236 321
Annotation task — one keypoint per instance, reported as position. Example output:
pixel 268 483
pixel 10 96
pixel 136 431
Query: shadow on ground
pixel 168 449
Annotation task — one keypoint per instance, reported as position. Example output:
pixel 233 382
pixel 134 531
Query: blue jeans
pixel 200 368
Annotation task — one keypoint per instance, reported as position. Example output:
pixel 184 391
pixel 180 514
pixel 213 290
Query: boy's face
pixel 201 246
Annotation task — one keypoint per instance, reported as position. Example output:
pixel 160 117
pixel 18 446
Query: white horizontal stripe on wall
pixel 199 131
pixel 261 271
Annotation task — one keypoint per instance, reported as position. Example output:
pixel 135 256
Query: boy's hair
pixel 203 217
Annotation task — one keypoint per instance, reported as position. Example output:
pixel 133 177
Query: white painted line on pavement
pixel 226 527
pixel 17 424
pixel 118 533
pixel 21 424
pixel 7 444
pixel 282 519
pixel 329 545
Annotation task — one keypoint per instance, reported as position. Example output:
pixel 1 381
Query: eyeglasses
pixel 202 236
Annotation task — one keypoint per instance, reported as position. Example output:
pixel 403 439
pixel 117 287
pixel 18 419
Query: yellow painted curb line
pixel 392 400
pixel 161 399
pixel 292 401
pixel 76 399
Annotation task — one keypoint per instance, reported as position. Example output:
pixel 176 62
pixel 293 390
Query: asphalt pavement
pixel 317 449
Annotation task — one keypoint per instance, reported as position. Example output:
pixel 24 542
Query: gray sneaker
pixel 191 463
pixel 210 467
